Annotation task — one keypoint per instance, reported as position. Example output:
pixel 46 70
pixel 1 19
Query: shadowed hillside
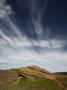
pixel 32 78
pixel 62 78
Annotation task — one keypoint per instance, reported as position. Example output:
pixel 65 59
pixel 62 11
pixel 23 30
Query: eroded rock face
pixel 35 71
pixel 26 72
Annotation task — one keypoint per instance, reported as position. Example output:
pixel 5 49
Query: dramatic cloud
pixel 22 50
pixel 16 49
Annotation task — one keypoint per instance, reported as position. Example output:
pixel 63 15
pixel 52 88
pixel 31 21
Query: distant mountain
pixel 32 78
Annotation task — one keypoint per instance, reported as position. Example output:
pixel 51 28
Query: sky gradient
pixel 33 32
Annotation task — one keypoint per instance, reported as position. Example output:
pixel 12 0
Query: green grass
pixel 34 84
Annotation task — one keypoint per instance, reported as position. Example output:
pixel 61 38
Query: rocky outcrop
pixel 35 71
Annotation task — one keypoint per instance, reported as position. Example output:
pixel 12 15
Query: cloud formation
pixel 22 50
pixel 16 49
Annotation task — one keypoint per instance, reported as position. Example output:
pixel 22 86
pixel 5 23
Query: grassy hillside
pixel 31 78
pixel 34 84
pixel 62 78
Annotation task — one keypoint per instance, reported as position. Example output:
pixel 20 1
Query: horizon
pixel 22 66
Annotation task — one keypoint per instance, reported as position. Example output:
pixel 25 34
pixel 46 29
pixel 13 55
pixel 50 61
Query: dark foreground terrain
pixel 32 78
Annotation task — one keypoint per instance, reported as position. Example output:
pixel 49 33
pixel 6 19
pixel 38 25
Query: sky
pixel 33 32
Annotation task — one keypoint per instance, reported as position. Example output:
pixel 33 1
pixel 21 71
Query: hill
pixel 32 78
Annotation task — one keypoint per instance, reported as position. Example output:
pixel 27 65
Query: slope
pixel 29 78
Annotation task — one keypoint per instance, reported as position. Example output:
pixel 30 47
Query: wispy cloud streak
pixel 18 49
